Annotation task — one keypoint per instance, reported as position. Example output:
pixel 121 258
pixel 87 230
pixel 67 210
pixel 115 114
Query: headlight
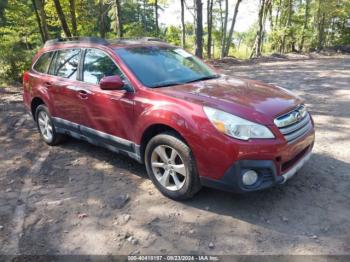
pixel 235 126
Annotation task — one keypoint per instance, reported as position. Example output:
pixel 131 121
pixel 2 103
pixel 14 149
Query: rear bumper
pixel 268 174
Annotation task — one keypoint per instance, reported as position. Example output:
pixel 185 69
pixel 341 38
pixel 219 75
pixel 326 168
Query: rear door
pixel 65 88
pixel 38 79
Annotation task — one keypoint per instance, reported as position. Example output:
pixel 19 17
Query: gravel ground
pixel 80 199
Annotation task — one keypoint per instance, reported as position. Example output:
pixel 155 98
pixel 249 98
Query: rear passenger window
pixel 97 65
pixel 66 63
pixel 42 64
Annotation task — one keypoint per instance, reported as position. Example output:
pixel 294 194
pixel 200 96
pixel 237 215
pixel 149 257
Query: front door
pixel 108 114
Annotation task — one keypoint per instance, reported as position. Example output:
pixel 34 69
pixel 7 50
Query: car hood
pixel 250 99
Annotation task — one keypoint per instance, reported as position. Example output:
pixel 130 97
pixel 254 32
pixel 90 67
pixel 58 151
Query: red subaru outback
pixel 166 108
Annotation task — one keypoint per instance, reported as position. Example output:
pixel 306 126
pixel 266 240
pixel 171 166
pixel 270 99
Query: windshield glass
pixel 164 66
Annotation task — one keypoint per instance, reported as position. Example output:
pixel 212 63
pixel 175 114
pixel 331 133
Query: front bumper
pixel 289 174
pixel 267 172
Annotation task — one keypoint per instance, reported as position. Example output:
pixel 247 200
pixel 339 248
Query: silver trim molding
pixel 93 136
pixel 296 168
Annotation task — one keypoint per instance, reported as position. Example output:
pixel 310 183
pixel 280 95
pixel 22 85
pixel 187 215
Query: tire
pixel 53 138
pixel 171 166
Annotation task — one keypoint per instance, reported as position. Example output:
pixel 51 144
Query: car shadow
pixel 301 206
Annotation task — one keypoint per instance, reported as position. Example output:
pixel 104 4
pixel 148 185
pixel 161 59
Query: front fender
pixel 213 151
pixel 170 115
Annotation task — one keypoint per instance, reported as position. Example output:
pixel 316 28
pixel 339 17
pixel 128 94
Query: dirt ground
pixel 80 199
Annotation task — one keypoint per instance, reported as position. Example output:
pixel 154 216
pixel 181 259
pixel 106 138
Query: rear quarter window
pixel 42 64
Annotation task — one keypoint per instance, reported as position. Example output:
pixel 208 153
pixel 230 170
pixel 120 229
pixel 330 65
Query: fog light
pixel 249 178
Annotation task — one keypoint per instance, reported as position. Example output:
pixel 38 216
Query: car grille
pixel 294 124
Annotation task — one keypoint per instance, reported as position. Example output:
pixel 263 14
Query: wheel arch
pixel 153 130
pixel 36 101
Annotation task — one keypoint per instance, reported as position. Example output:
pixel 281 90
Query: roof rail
pixel 95 40
pixel 152 39
pixel 140 39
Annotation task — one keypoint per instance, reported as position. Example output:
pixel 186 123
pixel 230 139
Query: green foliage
pixel 19 39
pixel 327 25
pixel 173 35
pixel 286 29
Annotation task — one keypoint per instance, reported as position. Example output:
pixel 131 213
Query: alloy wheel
pixel 45 125
pixel 168 167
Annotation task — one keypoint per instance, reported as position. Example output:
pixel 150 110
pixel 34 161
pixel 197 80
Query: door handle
pixel 48 84
pixel 83 94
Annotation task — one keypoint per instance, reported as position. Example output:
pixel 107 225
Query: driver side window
pixel 97 65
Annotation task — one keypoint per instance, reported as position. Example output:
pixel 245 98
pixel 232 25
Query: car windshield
pixel 164 66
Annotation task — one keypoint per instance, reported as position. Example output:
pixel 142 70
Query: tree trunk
pixel 118 22
pixel 321 21
pixel 221 19
pixel 41 9
pixel 261 29
pixel 156 16
pixel 321 32
pixel 183 24
pixel 210 24
pixel 144 19
pixel 270 11
pixel 73 17
pixel 199 28
pixel 224 31
pixel 102 20
pixel 229 39
pixel 62 18
pixel 289 23
pixel 39 22
pixel 259 34
pixel 278 13
pixel 306 22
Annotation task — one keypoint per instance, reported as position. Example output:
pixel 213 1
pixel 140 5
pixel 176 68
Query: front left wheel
pixel 171 166
pixel 46 127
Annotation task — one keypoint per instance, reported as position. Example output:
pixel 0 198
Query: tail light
pixel 25 79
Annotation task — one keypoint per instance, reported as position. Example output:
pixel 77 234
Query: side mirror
pixel 111 83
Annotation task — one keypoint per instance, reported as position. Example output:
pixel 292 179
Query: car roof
pixel 114 43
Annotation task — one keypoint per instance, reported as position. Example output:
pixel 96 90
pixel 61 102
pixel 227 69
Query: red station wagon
pixel 166 108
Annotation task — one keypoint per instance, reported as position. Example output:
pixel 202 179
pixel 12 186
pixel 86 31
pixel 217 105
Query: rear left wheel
pixel 46 127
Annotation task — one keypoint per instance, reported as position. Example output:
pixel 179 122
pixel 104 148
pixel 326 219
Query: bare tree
pixel 102 14
pixel 62 18
pixel 38 21
pixel 73 17
pixel 229 38
pixel 156 15
pixel 221 18
pixel 40 4
pixel 224 31
pixel 210 25
pixel 279 5
pixel 183 23
pixel 321 18
pixel 119 23
pixel 199 28
pixel 259 34
pixel 306 24
pixel 289 23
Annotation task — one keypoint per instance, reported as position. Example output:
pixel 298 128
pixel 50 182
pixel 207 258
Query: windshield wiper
pixel 203 78
pixel 165 84
pixel 168 84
